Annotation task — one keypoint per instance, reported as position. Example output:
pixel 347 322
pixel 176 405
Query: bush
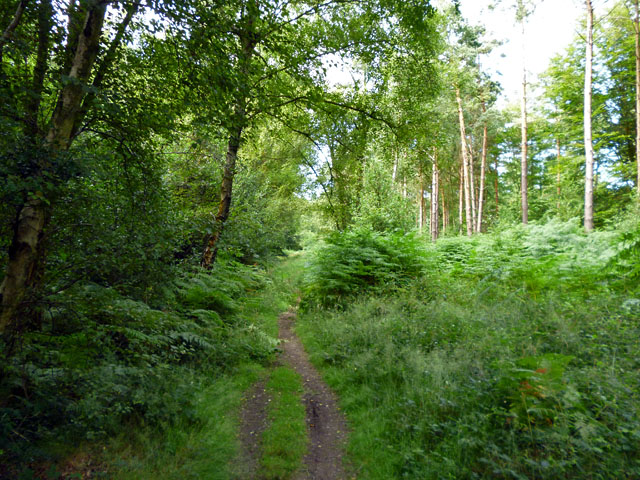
pixel 353 262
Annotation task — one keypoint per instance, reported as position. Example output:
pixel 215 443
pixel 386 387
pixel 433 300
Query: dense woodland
pixel 174 174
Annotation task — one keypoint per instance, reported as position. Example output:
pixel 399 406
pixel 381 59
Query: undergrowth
pixel 514 356
pixel 101 361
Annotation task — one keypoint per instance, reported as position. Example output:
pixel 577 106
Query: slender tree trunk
pixel 496 187
pixel 588 141
pixel 421 204
pixel 558 177
pixel 15 21
pixel 434 198
pixel 29 230
pixel 472 191
pixel 445 211
pixel 45 21
pixel 465 166
pixel 636 27
pixel 523 144
pixel 249 41
pixel 395 165
pixel 461 197
pixel 211 249
pixel 483 170
pixel 105 65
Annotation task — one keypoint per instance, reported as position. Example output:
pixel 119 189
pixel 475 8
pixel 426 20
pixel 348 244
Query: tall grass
pixel 516 356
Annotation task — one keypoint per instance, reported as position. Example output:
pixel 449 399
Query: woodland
pixel 464 273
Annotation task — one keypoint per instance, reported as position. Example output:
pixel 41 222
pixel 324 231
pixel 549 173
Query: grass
pixel 508 360
pixel 284 442
pixel 207 445
pixel 188 451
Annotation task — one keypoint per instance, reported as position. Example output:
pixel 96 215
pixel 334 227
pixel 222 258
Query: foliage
pixel 353 262
pixel 515 357
pixel 101 359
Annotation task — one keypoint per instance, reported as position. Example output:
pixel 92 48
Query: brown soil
pixel 326 425
pixel 254 422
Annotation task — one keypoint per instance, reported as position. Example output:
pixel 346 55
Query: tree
pixel 588 141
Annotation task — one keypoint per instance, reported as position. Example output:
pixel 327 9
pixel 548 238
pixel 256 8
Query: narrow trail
pixel 254 422
pixel 326 425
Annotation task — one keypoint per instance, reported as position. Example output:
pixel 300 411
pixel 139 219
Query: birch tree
pixel 588 140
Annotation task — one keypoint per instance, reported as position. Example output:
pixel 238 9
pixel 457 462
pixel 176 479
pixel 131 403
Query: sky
pixel 549 31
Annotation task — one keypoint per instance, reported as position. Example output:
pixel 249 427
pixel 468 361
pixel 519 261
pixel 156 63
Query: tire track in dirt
pixel 326 425
pixel 253 422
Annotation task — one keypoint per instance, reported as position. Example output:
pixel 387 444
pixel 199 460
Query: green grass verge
pixel 192 450
pixel 284 442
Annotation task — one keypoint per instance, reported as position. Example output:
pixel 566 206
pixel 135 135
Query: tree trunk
pixel 588 141
pixel 496 184
pixel 483 169
pixel 445 211
pixel 105 65
pixel 29 229
pixel 421 204
pixel 395 165
pixel 32 108
pixel 434 198
pixel 15 21
pixel 523 144
pixel 558 189
pixel 636 27
pixel 465 166
pixel 472 183
pixel 461 197
pixel 211 249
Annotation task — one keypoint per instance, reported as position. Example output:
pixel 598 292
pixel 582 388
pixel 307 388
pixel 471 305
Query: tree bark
pixel 461 196
pixel 465 166
pixel 636 27
pixel 421 204
pixel 496 184
pixel 523 144
pixel 45 21
pixel 588 140
pixel 29 229
pixel 211 249
pixel 434 197
pixel 558 189
pixel 445 211
pixel 483 169
pixel 105 65
pixel 472 189
pixel 15 21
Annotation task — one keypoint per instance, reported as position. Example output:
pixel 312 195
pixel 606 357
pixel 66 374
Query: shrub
pixel 353 262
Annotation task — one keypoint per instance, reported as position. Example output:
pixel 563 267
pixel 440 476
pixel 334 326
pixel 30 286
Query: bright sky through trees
pixel 549 30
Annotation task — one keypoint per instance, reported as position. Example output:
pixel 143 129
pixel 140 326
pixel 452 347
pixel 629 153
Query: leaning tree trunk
pixel 465 166
pixel 211 249
pixel 588 141
pixel 29 230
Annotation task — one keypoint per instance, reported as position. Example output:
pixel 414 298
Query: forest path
pixel 326 425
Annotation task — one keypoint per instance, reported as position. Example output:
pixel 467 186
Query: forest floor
pixel 326 427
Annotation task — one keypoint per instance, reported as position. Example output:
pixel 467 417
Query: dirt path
pixel 325 423
pixel 254 422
